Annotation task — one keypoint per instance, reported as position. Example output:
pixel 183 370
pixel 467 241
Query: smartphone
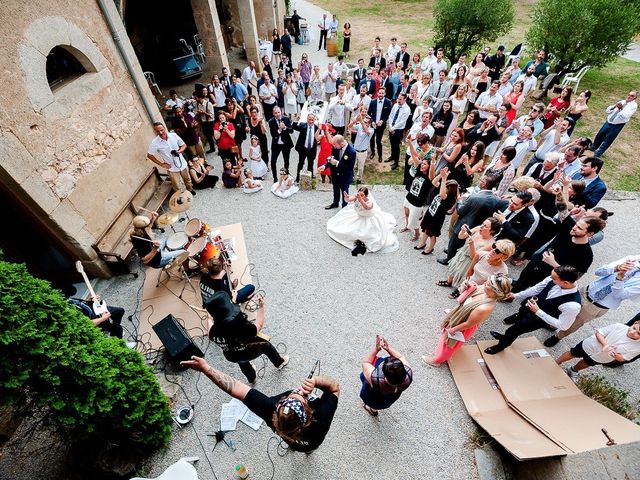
pixel 467 230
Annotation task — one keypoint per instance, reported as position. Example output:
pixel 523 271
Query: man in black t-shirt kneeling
pixel 301 421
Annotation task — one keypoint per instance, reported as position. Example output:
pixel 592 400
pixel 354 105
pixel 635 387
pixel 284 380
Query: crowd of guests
pixel 517 188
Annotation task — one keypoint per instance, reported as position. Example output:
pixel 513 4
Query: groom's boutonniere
pixel 344 158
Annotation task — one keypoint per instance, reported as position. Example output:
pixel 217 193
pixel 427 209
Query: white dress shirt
pixel 336 111
pixel 392 51
pixel 548 144
pixel 361 143
pixel 329 80
pixel 485 99
pixel 521 146
pixel 341 69
pixel 265 91
pixel 505 89
pixel 437 66
pixel 626 289
pixel 615 335
pixel 569 169
pixel 616 117
pixel 416 129
pixel 403 116
pixel 161 149
pixel 357 101
pixel 247 75
pixel 425 65
pixel 568 310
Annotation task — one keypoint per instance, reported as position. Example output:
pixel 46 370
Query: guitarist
pixel 237 336
pixel 215 278
pixel 108 322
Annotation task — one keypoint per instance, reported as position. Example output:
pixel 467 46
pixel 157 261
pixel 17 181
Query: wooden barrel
pixel 332 47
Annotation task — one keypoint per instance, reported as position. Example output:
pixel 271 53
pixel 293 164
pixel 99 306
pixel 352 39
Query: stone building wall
pixel 75 154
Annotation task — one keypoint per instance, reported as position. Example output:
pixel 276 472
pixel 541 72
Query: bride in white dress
pixel 363 220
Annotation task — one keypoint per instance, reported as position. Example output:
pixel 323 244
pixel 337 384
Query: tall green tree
pixel 54 360
pixel 578 33
pixel 461 26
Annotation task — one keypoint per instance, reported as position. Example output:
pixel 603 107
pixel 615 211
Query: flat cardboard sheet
pixel 158 302
pixel 488 407
pixel 542 393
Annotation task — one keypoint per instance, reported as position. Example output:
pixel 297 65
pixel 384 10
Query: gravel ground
pixel 324 304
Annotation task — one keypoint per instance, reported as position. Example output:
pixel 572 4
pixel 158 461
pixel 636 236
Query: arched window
pixel 62 67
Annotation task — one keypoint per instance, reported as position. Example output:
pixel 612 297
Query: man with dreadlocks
pixel 300 419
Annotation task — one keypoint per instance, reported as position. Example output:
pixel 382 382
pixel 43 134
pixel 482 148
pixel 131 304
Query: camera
pixel 174 153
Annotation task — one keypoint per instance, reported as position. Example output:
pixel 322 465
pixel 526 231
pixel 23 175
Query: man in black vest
pixel 554 303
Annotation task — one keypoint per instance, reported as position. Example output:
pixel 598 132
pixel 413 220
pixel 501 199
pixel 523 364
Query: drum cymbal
pixel 177 261
pixel 167 219
pixel 181 202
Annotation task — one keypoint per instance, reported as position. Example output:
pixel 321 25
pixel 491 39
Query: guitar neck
pixel 88 284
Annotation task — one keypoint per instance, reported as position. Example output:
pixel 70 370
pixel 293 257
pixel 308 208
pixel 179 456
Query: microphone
pixel 313 370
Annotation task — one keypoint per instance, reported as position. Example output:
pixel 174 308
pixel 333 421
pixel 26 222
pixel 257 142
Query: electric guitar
pixel 100 307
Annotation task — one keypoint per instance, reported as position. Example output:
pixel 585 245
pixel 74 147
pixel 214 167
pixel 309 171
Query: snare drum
pixel 196 228
pixel 177 241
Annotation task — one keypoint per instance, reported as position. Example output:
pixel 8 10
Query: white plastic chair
pixel 199 49
pixel 181 470
pixel 570 80
pixel 153 85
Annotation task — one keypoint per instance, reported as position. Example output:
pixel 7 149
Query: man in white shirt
pixel 553 302
pixel 341 69
pixel 454 68
pixel 617 117
pixel 529 80
pixel 551 140
pixel 439 64
pixel 615 282
pixel 393 49
pixel 250 77
pixel 611 345
pixel 360 100
pixel 429 58
pixel 362 130
pixel 569 161
pixel 531 120
pixel 268 94
pixel 324 25
pixel 488 102
pixel 217 93
pixel 336 113
pixel 329 79
pixel 505 87
pixel 172 102
pixel 397 122
pixel 165 151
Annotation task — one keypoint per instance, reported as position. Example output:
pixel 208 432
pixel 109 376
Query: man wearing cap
pixel 241 340
pixel 166 151
pixel 300 419
pixel 150 251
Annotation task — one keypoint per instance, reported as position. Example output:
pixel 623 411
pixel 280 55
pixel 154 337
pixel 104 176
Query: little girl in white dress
pixel 284 187
pixel 258 167
pixel 250 185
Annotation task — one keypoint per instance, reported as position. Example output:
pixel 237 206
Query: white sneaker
pixel 571 372
pixel 284 363
pixel 132 345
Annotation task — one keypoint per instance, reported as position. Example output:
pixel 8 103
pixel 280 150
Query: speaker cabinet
pixel 176 339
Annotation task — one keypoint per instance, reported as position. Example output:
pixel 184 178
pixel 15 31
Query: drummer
pixel 151 252
pixel 214 279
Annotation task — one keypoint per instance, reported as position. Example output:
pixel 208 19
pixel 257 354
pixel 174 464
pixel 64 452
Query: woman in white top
pixel 458 104
pixel 290 90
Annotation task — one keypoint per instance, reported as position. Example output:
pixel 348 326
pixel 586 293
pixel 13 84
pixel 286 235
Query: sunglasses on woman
pixel 496 249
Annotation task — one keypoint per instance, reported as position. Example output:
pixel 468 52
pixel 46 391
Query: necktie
pixel 309 141
pixel 438 93
pixel 395 117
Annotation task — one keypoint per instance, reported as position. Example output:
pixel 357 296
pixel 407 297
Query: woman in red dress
pixel 515 98
pixel 224 133
pixel 324 136
pixel 557 106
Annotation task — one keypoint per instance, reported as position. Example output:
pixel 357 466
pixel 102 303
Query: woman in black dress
pixel 441 123
pixel 258 128
pixel 346 39
pixel 470 163
pixel 433 218
pixel 275 42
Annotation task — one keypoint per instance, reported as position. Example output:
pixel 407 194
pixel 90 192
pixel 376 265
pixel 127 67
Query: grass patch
pixel 411 21
pixel 600 390
pixel 480 438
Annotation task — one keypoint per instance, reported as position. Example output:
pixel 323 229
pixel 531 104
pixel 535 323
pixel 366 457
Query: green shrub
pixel 600 390
pixel 90 385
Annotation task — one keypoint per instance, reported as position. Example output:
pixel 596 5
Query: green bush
pixel 599 389
pixel 53 358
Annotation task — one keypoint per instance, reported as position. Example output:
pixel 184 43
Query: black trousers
pixel 339 187
pixel 243 357
pixel 526 322
pixel 535 271
pixel 323 39
pixel 376 140
pixel 275 153
pixel 339 130
pixel 268 110
pixel 112 326
pixel 395 139
pixel 309 156
pixel 454 245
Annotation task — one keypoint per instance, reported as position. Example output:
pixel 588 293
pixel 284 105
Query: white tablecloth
pixel 266 48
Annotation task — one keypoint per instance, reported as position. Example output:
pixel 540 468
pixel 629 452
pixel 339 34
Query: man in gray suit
pixel 472 212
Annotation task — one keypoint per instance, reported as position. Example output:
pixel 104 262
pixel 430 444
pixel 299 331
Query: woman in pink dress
pixel 467 317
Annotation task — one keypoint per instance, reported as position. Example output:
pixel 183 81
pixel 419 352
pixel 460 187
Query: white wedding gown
pixel 372 227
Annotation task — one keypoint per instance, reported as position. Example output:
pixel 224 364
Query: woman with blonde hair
pixel 462 322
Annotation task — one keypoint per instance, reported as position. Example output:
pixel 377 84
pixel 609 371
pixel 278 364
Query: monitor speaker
pixel 176 339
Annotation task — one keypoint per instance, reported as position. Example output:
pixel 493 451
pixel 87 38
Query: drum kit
pixel 200 243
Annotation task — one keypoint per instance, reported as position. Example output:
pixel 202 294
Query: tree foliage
pixel 461 26
pixel 53 357
pixel 578 33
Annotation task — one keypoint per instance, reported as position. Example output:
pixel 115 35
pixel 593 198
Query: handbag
pixel 467 292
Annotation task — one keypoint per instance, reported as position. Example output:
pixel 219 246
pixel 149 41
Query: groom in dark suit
pixel 341 163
